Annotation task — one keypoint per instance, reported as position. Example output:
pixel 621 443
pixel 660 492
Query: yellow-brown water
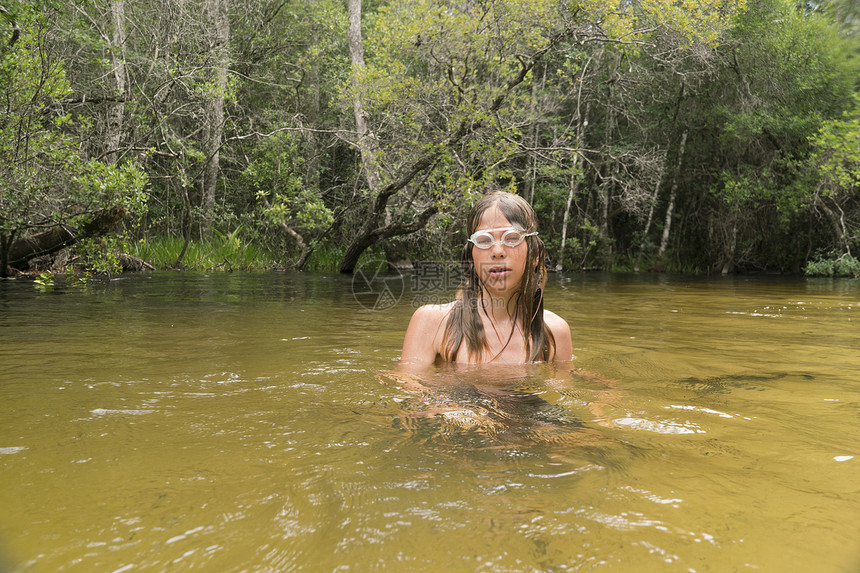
pixel 251 423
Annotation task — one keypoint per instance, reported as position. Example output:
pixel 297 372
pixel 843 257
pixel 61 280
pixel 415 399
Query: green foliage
pixel 44 282
pixel 35 158
pixel 275 178
pixel 753 189
pixel 833 266
pixel 756 138
pixel 432 67
pixel 44 177
pixel 100 255
pixel 693 21
pixel 836 152
pixel 104 184
pixel 761 87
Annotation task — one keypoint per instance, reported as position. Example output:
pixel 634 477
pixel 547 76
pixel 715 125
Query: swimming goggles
pixel 510 238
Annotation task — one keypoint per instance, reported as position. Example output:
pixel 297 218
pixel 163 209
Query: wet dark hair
pixel 464 320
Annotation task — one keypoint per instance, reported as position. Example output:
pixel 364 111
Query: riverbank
pixel 229 253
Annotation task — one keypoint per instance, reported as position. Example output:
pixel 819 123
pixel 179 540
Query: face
pixel 500 267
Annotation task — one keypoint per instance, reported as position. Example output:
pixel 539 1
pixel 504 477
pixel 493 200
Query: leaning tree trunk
pixel 60 236
pixel 375 226
pixel 16 29
pixel 6 241
pixel 672 193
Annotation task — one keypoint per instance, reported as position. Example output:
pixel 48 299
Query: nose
pixel 497 251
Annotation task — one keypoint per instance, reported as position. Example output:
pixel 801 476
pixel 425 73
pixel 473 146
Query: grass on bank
pixel 225 253
pixel 217 253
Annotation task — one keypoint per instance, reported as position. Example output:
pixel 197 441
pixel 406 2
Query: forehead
pixel 493 218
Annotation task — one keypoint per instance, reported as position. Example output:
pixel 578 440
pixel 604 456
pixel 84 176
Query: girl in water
pixel 498 313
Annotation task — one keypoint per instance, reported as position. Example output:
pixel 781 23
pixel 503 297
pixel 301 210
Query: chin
pixel 501 286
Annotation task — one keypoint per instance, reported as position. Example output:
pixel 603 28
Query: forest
pixel 687 136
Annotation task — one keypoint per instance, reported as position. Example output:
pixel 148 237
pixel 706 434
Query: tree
pixel 772 90
pixel 443 90
pixel 219 50
pixel 275 177
pixel 836 161
pixel 301 126
pixel 45 181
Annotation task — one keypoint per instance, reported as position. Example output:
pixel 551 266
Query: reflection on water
pixel 259 423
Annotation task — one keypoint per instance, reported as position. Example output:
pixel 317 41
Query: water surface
pixel 232 422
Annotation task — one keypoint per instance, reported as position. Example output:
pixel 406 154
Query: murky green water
pixel 245 423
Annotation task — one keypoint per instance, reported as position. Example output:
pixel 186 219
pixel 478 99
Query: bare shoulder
pixel 430 314
pixel 561 333
pixel 554 321
pixel 424 334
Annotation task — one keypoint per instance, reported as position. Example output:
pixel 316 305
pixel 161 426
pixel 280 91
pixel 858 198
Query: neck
pixel 499 307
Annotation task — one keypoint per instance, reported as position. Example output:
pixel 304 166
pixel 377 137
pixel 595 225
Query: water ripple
pixel 660 427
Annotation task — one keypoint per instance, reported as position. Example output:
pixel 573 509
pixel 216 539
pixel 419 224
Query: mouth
pixel 499 272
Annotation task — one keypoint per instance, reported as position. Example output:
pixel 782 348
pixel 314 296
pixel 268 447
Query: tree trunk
pixel 187 221
pixel 373 228
pixel 5 244
pixel 664 242
pixel 300 241
pixel 559 266
pixel 667 226
pixel 366 141
pixel 582 120
pixel 604 192
pixel 61 236
pixel 534 131
pixel 353 252
pixel 16 29
pixel 665 169
pixel 215 120
pixel 367 236
pixel 653 204
pixel 732 240
pixel 297 237
pixel 837 221
pixel 116 110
